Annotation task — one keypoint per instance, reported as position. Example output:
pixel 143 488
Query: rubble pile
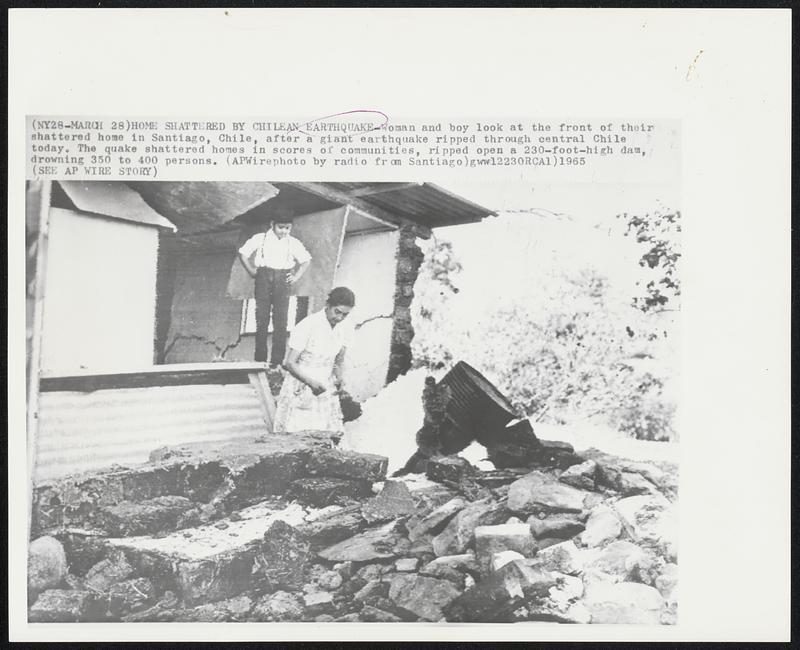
pixel 290 528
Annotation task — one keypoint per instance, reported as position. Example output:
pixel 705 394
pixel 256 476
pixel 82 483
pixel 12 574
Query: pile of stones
pixel 289 528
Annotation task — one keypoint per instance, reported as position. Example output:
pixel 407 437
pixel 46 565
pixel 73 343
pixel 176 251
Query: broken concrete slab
pixel 373 544
pixel 129 518
pixel 393 501
pixel 67 606
pixel 422 595
pixel 337 463
pixel 436 520
pixel 235 474
pixel 538 491
pixel 208 563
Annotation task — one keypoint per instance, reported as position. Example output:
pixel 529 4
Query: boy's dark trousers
pixel 272 294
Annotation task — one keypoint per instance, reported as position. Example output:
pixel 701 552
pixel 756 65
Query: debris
pixel 372 544
pixel 624 602
pixel 278 606
pixel 130 596
pixel 581 476
pixel 393 501
pixel 503 537
pixel 369 614
pixel 449 468
pixel 539 491
pixel 283 556
pixel 322 492
pixel 66 606
pixel 555 526
pixel 602 526
pixel 108 572
pixel 406 564
pixel 437 520
pixel 563 558
pixel 459 533
pixel 501 558
pixel 422 595
pixel 336 463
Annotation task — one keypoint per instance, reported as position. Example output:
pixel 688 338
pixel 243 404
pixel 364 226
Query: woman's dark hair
pixel 341 296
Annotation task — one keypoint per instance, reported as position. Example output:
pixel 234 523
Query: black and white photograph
pixel 361 402
pixel 406 325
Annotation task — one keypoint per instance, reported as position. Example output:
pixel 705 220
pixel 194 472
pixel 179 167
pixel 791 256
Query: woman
pixel 309 397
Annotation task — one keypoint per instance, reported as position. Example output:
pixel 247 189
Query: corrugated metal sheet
pixel 79 431
pixel 113 199
pixel 476 407
pixel 423 203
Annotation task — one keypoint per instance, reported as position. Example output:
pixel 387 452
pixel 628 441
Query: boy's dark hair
pixel 341 296
pixel 282 215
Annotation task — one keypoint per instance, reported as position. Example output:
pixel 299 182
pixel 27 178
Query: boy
pixel 280 260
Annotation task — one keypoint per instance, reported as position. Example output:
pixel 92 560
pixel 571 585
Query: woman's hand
pixel 317 387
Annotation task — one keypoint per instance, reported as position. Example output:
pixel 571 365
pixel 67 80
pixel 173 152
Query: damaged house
pixel 145 299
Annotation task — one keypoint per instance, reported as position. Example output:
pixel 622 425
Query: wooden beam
pixel 382 187
pixel 343 198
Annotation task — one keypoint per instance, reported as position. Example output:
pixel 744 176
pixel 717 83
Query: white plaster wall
pixel 368 266
pixel 100 291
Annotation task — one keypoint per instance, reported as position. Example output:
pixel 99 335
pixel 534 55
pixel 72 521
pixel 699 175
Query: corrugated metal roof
pixel 120 418
pixel 113 199
pixel 423 203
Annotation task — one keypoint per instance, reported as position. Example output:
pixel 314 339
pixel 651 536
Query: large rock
pixel 47 565
pixel 436 520
pixel 449 469
pixel 67 606
pixel 370 614
pixel 602 526
pixel 422 595
pixel 562 558
pixel 145 517
pixel 337 463
pixel 278 606
pixel 651 520
pixel 333 527
pixel 555 526
pixel 115 568
pixel 623 602
pixel 450 566
pixel 459 533
pixel 539 492
pixel 503 537
pixel 667 581
pixel 617 559
pixel 373 544
pixel 581 476
pixel 493 599
pixel 393 501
